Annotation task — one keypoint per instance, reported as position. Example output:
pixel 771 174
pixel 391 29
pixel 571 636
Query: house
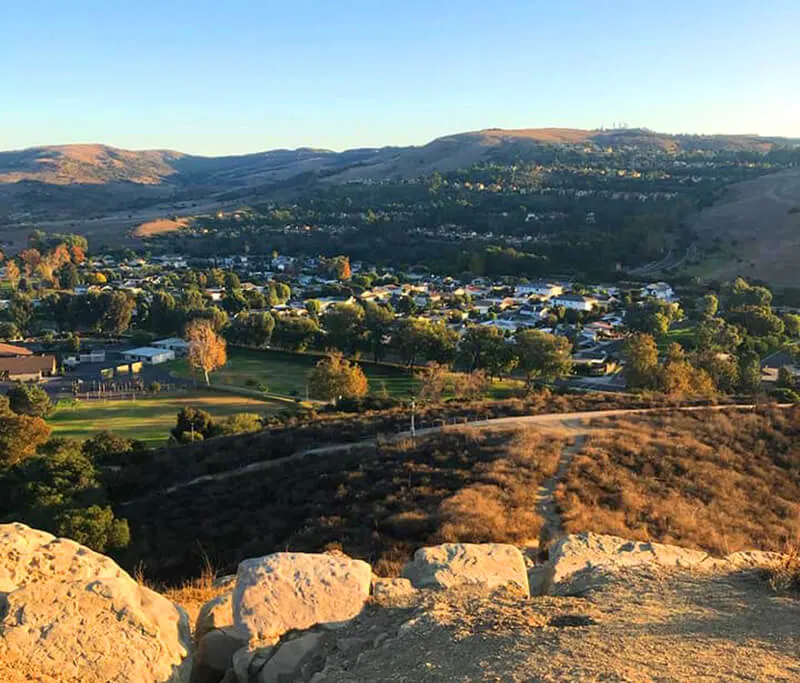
pixel 148 354
pixel 13 351
pixel 27 368
pixel 545 290
pixel 574 302
pixel 176 344
pixel 772 364
pixel 659 290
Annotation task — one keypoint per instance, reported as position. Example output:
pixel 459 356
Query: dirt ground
pixel 648 624
pixel 759 233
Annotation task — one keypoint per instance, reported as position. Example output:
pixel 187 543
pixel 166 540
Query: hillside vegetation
pixel 462 485
pixel 717 481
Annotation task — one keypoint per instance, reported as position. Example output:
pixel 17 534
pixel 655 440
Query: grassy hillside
pixel 716 481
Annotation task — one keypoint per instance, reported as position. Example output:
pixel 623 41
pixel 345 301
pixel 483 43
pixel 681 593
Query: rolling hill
pixel 108 191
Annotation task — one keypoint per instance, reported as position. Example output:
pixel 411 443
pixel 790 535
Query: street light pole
pixel 413 426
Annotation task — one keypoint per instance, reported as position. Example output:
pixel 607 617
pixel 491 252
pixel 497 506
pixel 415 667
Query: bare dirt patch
pixel 160 226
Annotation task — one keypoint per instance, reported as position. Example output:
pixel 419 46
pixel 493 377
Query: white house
pixel 574 302
pixel 176 344
pixel 659 290
pixel 546 290
pixel 149 354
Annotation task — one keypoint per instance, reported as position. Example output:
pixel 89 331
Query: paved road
pixel 545 420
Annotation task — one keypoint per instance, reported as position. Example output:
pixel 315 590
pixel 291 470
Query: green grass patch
pixel 286 373
pixel 677 335
pixel 147 419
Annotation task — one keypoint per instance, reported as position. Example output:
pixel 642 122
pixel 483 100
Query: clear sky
pixel 234 76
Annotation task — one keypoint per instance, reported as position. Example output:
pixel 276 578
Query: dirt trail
pixel 552 529
pixel 572 421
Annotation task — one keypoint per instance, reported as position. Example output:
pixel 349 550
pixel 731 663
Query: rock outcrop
pixel 73 614
pixel 69 614
pixel 603 553
pixel 294 591
pixel 455 564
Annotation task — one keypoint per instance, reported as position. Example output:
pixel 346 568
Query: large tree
pixel 29 399
pixel 641 362
pixel 207 349
pixel 20 436
pixel 335 377
pixel 541 355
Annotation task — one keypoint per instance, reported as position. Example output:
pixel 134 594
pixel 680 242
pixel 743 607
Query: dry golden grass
pixel 194 593
pixel 785 574
pixel 160 226
pixel 717 481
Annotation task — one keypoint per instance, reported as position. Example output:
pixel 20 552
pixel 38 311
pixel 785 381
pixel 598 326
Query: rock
pixel 454 564
pixel 292 657
pixel 29 555
pixel 72 613
pixel 215 614
pixel 248 662
pixel 108 629
pixel 214 655
pixel 392 592
pixel 286 591
pixel 580 552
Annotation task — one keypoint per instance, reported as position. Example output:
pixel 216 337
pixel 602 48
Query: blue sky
pixel 233 76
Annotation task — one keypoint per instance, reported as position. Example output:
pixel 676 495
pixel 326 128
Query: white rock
pixel 73 613
pixel 291 657
pixel 215 614
pixel 286 591
pixel 387 592
pixel 579 552
pixel 454 564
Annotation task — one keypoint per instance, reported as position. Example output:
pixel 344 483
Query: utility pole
pixel 413 426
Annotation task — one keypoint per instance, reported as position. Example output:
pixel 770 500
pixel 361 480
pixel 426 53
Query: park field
pixel 286 373
pixel 146 419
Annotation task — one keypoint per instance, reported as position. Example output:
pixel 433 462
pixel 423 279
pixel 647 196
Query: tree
pixel 481 346
pixel 791 324
pixel 542 355
pixel 116 312
pixel 641 367
pixel 335 377
pixel 344 324
pixel 314 308
pixel 680 377
pixel 106 446
pixel 652 317
pixel 68 277
pixel 434 379
pixel 29 399
pixel 8 331
pixel 295 332
pixel 95 527
pixel 20 436
pixel 708 305
pixel 207 350
pixel 192 423
pixel 21 311
pixel 758 321
pixel 12 274
pixel 252 329
pixel 378 322
pixel 749 373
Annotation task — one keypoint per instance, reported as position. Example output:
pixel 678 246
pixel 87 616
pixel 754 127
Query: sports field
pixel 286 373
pixel 147 419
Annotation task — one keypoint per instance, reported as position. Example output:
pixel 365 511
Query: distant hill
pixel 80 181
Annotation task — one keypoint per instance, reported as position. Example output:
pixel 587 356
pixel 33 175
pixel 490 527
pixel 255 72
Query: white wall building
pixel 574 302
pixel 659 290
pixel 150 355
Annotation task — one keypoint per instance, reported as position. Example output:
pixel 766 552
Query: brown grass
pixel 785 574
pixel 717 481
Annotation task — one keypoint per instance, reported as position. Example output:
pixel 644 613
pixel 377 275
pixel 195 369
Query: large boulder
pixel 579 553
pixel 215 614
pixel 294 591
pixel 73 614
pixel 454 564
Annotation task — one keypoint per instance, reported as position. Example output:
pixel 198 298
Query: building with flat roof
pixel 149 354
pixel 176 344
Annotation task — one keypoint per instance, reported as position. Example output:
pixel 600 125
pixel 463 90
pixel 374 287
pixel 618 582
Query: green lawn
pixel 678 335
pixel 286 373
pixel 146 419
